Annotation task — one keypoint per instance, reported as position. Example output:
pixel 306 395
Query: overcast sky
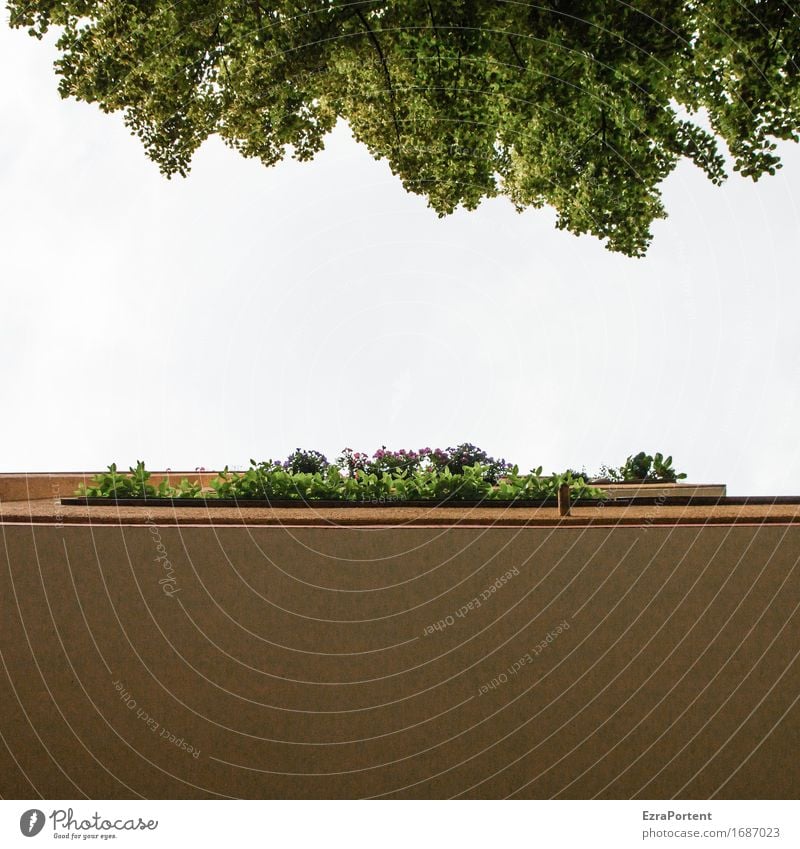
pixel 245 311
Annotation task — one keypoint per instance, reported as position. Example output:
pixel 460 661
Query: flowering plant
pixel 305 461
pixel 352 461
pixel 466 455
pixel 395 462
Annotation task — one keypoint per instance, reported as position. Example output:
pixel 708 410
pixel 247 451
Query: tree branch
pixel 388 76
pixel 435 38
pixel 519 58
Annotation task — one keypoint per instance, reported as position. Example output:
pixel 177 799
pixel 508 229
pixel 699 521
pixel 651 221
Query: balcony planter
pixel 658 490
pixel 314 503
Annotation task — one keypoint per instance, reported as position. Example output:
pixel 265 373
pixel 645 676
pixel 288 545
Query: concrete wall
pixel 305 662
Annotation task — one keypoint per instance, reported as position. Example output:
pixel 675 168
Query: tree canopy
pixel 582 105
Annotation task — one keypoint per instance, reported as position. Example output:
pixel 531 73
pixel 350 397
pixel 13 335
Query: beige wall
pixel 297 661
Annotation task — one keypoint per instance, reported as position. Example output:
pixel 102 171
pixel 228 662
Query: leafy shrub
pixel 112 484
pixel 461 473
pixel 641 466
pixel 663 470
pixel 135 484
pixel 270 481
pixel 273 482
pixel 186 489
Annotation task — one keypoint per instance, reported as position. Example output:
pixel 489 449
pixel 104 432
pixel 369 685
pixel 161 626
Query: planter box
pixel 299 503
pixel 62 485
pixel 620 500
pixel 645 489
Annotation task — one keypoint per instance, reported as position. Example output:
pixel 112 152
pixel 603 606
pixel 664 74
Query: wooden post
pixel 563 500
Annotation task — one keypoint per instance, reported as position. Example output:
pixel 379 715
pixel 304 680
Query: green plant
pixel 135 484
pixel 273 482
pixel 186 489
pixel 113 484
pixel 470 484
pixel 663 470
pixel 637 467
pixel 642 466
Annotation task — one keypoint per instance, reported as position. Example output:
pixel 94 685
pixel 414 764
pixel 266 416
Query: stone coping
pixel 51 512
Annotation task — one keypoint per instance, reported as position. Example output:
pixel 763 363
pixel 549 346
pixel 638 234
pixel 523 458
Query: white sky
pixel 245 311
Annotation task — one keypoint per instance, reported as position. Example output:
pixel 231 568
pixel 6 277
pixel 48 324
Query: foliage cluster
pixel 265 481
pixel 463 472
pixel 135 483
pixel 585 107
pixel 644 467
